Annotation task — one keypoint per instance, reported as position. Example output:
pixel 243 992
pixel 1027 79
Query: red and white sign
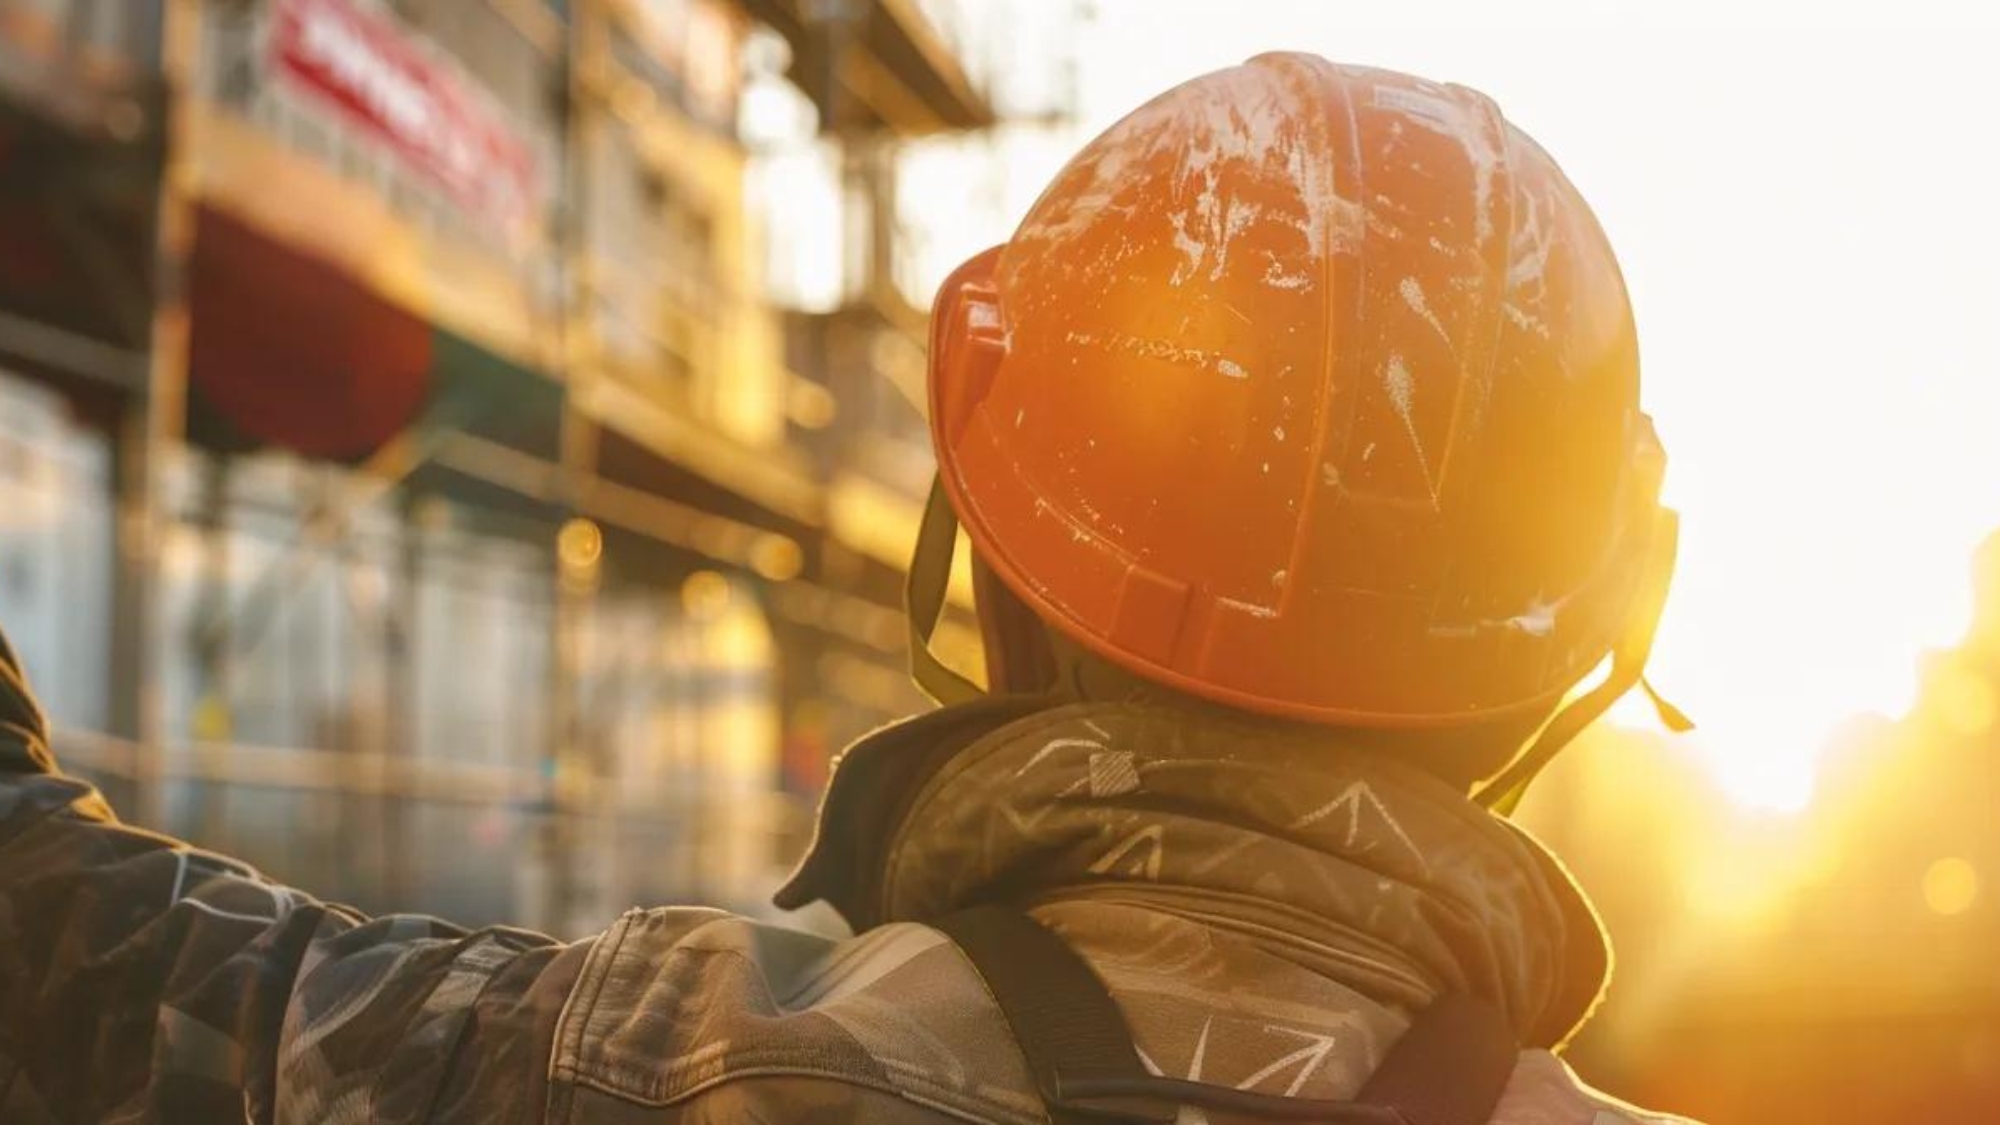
pixel 375 74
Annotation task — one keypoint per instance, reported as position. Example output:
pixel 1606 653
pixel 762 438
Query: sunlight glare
pixel 1834 469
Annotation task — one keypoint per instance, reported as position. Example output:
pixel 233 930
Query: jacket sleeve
pixel 143 979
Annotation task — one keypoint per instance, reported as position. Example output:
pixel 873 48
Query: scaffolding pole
pixel 568 773
pixel 151 429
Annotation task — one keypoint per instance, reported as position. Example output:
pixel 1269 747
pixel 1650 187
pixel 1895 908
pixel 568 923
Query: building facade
pixel 407 480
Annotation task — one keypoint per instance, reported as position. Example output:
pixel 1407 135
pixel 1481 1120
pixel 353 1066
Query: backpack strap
pixel 1449 1068
pixel 1070 1031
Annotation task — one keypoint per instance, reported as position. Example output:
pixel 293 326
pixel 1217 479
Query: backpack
pixel 1449 1068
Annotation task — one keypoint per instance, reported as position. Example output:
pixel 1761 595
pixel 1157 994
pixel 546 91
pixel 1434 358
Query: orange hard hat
pixel 1311 390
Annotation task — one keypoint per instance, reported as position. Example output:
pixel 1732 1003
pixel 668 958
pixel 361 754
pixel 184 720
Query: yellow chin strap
pixel 923 601
pixel 1628 669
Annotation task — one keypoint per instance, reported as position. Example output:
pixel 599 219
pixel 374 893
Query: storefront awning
pixel 291 351
pixel 288 350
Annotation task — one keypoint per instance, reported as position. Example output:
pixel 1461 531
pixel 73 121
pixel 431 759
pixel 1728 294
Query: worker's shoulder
pixel 679 1005
pixel 1545 1091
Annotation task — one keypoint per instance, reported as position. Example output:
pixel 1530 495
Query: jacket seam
pixel 641 1087
pixel 612 1088
pixel 571 1024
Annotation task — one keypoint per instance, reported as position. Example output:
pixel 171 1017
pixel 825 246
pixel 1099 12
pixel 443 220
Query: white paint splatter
pixel 1528 247
pixel 1219 221
pixel 1378 225
pixel 1235 220
pixel 1400 384
pixel 1523 321
pixel 1252 609
pixel 1396 378
pixel 1192 249
pixel 1150 347
pixel 1219 145
pixel 1278 432
pixel 1539 621
pixel 1446 114
pixel 1413 296
pixel 1277 277
pixel 1202 137
pixel 1326 212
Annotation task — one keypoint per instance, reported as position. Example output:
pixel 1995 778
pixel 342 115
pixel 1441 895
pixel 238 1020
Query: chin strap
pixel 1628 670
pixel 923 601
pixel 1671 717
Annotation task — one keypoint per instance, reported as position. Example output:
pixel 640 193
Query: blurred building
pixel 409 479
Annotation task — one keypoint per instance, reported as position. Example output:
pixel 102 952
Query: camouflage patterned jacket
pixel 1263 916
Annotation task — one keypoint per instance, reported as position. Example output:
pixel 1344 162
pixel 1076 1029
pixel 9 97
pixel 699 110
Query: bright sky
pixel 1806 202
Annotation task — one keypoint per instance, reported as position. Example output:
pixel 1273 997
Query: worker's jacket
pixel 1265 915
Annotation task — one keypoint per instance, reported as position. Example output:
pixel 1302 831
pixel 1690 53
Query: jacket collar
pixel 1375 872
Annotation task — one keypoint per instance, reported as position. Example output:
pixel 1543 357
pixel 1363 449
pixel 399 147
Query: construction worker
pixel 1296 432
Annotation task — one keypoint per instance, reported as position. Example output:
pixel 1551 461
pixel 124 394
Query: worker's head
pixel 1309 391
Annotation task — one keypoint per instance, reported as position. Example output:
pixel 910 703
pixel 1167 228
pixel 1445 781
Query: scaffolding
pixel 577 623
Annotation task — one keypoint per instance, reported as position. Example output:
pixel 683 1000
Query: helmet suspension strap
pixel 1628 668
pixel 923 601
